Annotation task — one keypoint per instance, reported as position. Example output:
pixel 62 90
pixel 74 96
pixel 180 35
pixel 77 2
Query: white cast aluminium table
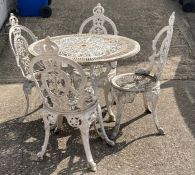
pixel 92 50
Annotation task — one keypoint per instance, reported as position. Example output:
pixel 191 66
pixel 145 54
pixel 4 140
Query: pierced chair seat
pixel 132 82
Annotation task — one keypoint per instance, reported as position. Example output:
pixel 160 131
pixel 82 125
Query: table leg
pixel 103 132
pixel 101 76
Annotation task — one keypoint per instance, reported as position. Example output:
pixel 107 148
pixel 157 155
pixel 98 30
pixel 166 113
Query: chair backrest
pixel 159 57
pixel 98 20
pixel 20 37
pixel 62 90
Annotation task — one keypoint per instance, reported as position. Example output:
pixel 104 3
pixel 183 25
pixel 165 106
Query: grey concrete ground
pixel 139 150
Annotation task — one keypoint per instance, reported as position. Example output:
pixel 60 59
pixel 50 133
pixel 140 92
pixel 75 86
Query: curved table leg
pixel 103 132
pixel 107 91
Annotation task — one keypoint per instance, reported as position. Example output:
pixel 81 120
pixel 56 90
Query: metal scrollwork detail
pixel 98 19
pixel 13 20
pixel 159 57
pixel 75 121
pixel 92 117
pixel 52 118
pixel 98 10
pixel 19 44
pixel 64 88
pixel 91 47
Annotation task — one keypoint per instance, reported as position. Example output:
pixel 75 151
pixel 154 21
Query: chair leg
pixel 154 100
pixel 59 124
pixel 46 140
pixel 96 129
pixel 107 91
pixel 27 87
pixel 146 105
pixel 120 108
pixel 84 129
pixel 103 132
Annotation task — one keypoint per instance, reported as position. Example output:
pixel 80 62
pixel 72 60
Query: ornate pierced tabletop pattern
pixel 88 48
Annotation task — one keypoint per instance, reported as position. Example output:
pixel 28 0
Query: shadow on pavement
pixel 184 91
pixel 21 141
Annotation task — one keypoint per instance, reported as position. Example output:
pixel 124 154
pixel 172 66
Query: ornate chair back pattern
pixel 19 44
pixel 60 90
pixel 98 20
pixel 159 57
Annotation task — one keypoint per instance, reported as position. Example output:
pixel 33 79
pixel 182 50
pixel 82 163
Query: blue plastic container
pixel 31 7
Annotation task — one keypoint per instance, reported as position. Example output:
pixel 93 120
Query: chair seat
pixel 132 82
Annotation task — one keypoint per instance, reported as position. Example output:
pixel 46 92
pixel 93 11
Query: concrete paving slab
pixel 138 149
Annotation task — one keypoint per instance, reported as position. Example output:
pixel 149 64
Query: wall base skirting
pixel 5 7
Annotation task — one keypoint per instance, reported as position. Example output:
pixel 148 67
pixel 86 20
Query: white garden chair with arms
pixel 20 37
pixel 98 21
pixel 146 81
pixel 65 96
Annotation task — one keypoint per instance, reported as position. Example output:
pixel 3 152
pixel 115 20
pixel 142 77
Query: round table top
pixel 90 48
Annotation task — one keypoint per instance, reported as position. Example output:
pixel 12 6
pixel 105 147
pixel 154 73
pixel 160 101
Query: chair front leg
pixel 46 121
pixel 153 96
pixel 59 124
pixel 27 87
pixel 120 108
pixel 146 105
pixel 84 129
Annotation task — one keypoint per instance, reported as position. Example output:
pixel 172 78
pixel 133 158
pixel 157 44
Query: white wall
pixel 5 7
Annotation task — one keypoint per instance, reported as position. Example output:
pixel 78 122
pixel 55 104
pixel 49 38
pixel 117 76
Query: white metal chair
pixel 146 81
pixel 96 25
pixel 20 37
pixel 65 96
